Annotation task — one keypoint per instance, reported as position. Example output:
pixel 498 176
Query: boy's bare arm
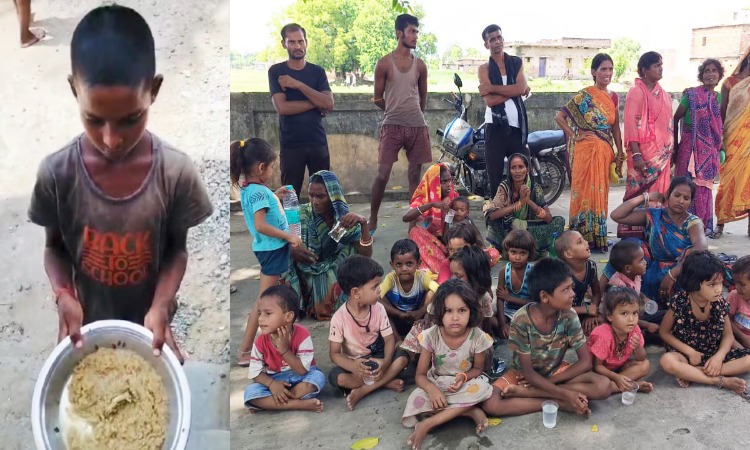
pixel 338 358
pixel 263 379
pixel 539 381
pixel 57 262
pixel 286 107
pixel 580 367
pixel 391 310
pixel 171 273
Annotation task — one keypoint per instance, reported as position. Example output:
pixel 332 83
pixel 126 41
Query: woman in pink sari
pixel 697 154
pixel 648 136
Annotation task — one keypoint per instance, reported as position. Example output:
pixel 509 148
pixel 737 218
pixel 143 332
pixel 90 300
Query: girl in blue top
pixel 255 161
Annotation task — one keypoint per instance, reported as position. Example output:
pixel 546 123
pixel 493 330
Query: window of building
pixel 704 41
pixel 528 59
pixel 568 62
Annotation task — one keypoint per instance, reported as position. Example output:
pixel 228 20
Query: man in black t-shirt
pixel 301 95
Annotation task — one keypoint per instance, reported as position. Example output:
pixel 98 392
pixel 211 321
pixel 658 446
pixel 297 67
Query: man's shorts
pixel 415 140
pixel 313 376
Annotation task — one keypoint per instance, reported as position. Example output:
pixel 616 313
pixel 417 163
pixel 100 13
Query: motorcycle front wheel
pixel 552 177
pixel 466 179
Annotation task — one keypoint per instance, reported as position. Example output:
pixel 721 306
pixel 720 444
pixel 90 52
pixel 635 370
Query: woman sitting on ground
pixel 519 205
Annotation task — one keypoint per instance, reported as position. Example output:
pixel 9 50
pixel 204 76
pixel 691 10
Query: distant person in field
pixel 301 96
pixel 401 91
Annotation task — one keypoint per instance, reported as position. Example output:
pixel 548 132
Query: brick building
pixel 563 58
pixel 726 43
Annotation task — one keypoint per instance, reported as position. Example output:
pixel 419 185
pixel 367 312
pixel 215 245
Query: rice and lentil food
pixel 122 399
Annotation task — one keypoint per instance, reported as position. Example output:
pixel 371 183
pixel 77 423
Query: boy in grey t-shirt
pixel 116 202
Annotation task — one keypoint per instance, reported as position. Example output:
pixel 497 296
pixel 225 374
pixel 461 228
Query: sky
pixel 656 24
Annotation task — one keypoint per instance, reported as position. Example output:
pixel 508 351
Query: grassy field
pixel 247 80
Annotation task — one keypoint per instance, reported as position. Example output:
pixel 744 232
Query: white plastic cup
pixel 337 232
pixel 449 216
pixel 628 397
pixel 549 413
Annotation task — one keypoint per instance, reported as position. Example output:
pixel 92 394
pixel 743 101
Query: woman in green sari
pixel 312 272
pixel 519 204
pixel 314 264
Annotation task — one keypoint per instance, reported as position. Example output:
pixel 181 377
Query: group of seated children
pixel 447 329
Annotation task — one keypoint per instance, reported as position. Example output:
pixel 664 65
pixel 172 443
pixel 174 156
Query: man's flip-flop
pixel 727 259
pixel 372 233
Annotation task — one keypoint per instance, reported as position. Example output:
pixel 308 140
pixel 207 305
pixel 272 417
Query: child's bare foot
pixel 354 397
pixel 311 404
pixel 682 383
pixel 416 438
pixel 645 387
pixel 30 38
pixel 396 385
pixel 513 390
pixel 735 384
pixel 479 418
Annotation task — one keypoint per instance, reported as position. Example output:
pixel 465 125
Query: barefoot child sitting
pixel 282 363
pixel 540 334
pixel 613 343
pixel 697 330
pixel 406 292
pixel 512 291
pixel 739 301
pixel 574 250
pixel 449 371
pixel 361 338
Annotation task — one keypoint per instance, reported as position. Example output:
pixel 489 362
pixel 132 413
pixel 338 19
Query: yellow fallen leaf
pixel 604 261
pixel 395 188
pixel 494 421
pixel 594 429
pixel 366 443
pixel 473 197
pixel 387 217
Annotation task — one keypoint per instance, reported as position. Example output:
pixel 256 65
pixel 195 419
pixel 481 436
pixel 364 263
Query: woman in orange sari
pixel 594 112
pixel 733 197
pixel 648 136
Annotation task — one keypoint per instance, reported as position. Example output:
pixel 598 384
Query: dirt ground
pixel 669 417
pixel 39 115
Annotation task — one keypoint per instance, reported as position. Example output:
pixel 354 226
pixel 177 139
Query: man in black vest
pixel 501 85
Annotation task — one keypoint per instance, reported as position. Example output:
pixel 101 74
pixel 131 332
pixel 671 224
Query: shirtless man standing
pixel 401 91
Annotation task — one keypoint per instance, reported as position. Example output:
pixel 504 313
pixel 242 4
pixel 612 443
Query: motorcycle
pixel 465 147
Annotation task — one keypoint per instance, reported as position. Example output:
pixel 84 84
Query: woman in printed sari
pixel 430 202
pixel 594 112
pixel 698 152
pixel 648 136
pixel 314 264
pixel 671 233
pixel 733 197
pixel 519 204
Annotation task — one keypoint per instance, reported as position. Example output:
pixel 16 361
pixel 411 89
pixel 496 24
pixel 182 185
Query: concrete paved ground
pixel 669 417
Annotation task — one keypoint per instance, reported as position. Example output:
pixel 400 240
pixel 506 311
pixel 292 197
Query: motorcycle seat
pixel 540 140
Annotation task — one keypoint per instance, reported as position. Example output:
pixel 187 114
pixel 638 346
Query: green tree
pixel 625 53
pixel 472 52
pixel 453 54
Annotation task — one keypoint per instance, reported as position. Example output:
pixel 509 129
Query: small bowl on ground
pixel 58 368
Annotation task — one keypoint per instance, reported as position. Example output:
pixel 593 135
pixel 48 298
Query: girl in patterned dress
pixel 697 331
pixel 449 373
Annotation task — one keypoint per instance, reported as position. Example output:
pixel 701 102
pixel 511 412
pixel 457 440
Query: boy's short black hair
pixel 546 275
pixel 623 254
pixel 404 20
pixel 563 243
pixel 464 230
pixel 288 28
pixel 699 266
pixel 617 295
pixel 461 199
pixel 520 239
pixel 113 46
pixel 467 294
pixel 286 297
pixel 741 268
pixel 404 247
pixel 356 271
